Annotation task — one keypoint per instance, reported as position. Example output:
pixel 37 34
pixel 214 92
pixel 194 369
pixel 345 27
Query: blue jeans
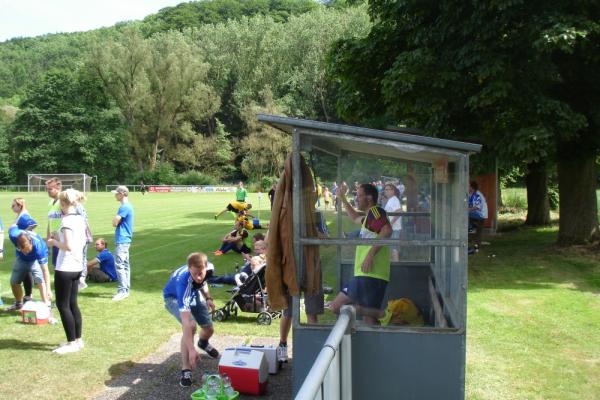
pixel 122 267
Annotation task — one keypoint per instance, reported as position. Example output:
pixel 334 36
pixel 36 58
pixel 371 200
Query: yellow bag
pixel 402 312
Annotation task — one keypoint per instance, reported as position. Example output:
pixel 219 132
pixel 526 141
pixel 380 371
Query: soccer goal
pixel 81 182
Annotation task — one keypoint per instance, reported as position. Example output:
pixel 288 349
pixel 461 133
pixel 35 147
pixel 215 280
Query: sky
pixel 25 18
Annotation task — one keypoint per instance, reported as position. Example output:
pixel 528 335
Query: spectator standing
pixel 123 223
pixel 326 197
pixel 53 188
pixel 392 205
pixel 241 193
pixel 272 195
pixel 478 211
pixel 69 265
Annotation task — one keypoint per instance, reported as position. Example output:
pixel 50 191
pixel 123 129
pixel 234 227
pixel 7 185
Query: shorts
pixel 198 309
pixel 21 268
pixel 314 304
pixel 366 291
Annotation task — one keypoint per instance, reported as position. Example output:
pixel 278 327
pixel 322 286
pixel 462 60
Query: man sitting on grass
pixel 187 299
pixel 101 269
pixel 234 240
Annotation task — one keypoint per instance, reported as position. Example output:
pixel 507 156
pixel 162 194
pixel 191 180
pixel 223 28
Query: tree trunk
pixel 577 199
pixel 538 204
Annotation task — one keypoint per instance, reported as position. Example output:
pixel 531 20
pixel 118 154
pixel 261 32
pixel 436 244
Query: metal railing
pixel 331 375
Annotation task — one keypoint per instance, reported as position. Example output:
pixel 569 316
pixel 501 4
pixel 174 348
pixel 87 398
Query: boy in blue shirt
pixel 123 223
pixel 187 298
pixel 102 268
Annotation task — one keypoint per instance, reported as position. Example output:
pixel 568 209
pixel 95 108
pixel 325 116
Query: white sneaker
pixel 80 343
pixel 71 347
pixel 282 354
pixel 82 285
pixel 120 296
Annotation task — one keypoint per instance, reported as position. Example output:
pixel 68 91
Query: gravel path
pixel 156 377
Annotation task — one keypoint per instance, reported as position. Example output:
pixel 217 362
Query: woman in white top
pixel 392 205
pixel 69 267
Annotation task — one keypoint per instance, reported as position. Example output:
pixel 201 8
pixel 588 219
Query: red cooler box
pixel 247 369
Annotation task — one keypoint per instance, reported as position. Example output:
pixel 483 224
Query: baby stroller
pixel 249 297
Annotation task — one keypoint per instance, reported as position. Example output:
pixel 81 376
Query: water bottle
pixel 227 388
pixel 214 387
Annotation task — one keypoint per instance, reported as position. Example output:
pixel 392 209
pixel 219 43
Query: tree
pixel 67 125
pixel 520 76
pixel 265 148
pixel 158 83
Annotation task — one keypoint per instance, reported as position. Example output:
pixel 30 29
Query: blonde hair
pixel 20 202
pixel 197 260
pixel 71 197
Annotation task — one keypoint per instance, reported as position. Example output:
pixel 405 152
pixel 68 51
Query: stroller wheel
pixel 264 318
pixel 218 315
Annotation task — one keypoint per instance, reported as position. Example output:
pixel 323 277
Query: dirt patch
pixel 156 377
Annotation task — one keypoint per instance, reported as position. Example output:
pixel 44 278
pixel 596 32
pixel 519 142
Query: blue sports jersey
pixel 39 252
pixel 182 287
pixel 124 231
pixel 107 264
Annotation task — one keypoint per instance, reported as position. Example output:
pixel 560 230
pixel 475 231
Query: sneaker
pixel 120 296
pixel 71 347
pixel 14 307
pixel 186 378
pixel 82 285
pixel 282 355
pixel 27 298
pixel 80 343
pixel 211 351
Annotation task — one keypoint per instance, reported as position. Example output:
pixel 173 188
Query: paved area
pixel 156 377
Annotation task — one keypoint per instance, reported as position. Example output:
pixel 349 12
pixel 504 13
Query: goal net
pixel 81 182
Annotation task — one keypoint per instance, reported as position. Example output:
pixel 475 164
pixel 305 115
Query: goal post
pixel 80 181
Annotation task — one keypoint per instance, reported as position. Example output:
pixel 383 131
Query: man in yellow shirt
pixel 371 263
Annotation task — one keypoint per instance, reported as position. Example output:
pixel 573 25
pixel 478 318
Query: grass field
pixel 533 311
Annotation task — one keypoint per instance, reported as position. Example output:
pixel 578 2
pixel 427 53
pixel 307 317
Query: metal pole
pixel 316 375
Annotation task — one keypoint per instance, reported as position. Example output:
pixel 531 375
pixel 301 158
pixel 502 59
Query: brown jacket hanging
pixel 281 263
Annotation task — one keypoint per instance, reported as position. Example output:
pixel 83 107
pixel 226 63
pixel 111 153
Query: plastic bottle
pixel 227 388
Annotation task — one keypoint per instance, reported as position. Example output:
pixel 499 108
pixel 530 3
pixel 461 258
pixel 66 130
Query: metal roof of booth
pixel 404 135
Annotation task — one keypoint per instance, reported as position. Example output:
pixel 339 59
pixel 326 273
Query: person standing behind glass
pixel 123 223
pixel 392 205
pixel 69 266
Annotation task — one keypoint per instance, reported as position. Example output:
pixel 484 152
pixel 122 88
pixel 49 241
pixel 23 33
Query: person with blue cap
pixel 25 222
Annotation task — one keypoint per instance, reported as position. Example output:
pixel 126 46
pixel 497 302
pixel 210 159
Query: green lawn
pixel 533 313
pixel 167 228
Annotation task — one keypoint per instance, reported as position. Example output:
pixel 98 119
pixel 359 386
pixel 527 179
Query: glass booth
pixel 404 356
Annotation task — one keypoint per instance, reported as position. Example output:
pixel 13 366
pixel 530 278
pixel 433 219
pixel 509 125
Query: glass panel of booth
pixel 417 191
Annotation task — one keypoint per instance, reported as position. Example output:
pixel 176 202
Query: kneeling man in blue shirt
pixel 102 268
pixel 187 298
